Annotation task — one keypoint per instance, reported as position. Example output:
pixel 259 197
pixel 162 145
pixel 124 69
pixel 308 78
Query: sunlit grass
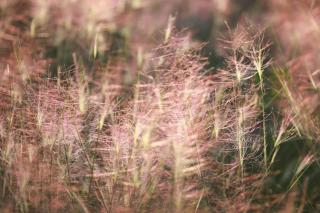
pixel 116 107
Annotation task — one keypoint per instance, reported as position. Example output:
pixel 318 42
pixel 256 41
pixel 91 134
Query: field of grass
pixel 119 106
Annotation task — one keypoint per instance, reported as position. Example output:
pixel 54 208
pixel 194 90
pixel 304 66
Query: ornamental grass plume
pixel 104 110
pixel 158 138
pixel 176 137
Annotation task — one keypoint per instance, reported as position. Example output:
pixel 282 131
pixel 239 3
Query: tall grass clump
pixel 178 130
pixel 159 106
pixel 159 139
pixel 238 121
